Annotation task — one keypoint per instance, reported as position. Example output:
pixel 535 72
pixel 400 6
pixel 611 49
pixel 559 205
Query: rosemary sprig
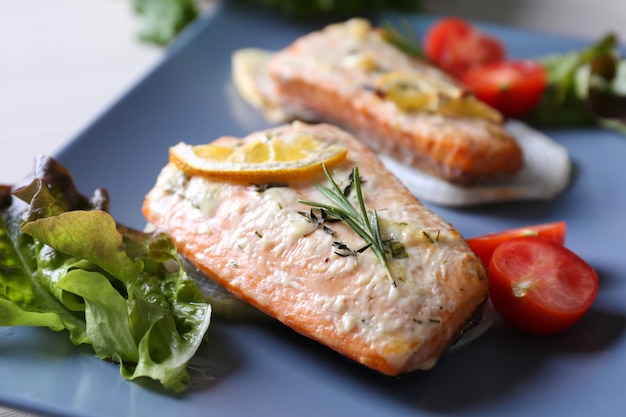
pixel 404 38
pixel 368 228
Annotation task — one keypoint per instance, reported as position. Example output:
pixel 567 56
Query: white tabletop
pixel 63 62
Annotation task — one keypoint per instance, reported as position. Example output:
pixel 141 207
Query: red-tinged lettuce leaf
pixel 66 264
pixel 28 295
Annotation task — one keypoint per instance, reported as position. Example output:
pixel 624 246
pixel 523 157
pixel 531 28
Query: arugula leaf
pixel 66 264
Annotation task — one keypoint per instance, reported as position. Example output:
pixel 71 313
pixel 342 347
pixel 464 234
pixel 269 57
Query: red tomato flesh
pixel 483 246
pixel 512 87
pixel 540 286
pixel 456 46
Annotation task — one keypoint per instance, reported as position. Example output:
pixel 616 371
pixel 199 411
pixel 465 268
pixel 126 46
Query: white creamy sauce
pixel 172 180
pixel 348 323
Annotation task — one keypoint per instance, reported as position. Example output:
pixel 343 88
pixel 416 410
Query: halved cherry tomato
pixel 483 246
pixel 512 87
pixel 539 286
pixel 456 46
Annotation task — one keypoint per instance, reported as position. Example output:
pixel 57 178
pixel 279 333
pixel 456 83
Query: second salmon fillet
pixel 350 75
pixel 267 247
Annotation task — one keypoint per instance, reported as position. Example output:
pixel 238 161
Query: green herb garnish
pixel 357 217
pixel 397 249
pixel 320 222
pixel 404 38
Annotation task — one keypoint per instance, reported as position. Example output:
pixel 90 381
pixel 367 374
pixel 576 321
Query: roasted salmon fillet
pixel 267 245
pixel 350 75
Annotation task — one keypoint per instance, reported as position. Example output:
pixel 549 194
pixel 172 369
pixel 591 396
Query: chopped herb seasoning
pixel 396 249
pixel 347 190
pixel 430 238
pixel 320 222
pixel 259 188
pixel 344 250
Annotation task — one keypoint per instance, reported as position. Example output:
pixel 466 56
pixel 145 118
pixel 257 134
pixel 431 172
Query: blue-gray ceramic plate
pixel 261 370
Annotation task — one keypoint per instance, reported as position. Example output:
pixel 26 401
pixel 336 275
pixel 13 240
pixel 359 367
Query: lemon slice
pixel 261 158
pixel 251 78
pixel 412 91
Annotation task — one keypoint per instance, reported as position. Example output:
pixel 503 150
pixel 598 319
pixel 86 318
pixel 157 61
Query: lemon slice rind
pixel 184 156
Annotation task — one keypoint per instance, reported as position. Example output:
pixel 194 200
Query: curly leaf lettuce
pixel 66 264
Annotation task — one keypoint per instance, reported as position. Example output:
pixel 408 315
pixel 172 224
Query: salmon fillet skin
pixel 260 242
pixel 334 75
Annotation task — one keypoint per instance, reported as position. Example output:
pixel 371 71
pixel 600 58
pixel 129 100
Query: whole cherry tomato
pixel 457 46
pixel 512 87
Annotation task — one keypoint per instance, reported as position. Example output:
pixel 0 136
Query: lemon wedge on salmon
pixel 263 159
pixel 412 91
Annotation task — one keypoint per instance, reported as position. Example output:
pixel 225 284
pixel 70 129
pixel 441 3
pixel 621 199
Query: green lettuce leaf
pixel 162 20
pixel 66 264
pixel 584 87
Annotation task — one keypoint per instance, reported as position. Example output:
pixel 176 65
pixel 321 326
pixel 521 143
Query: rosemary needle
pixel 357 218
pixel 403 38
